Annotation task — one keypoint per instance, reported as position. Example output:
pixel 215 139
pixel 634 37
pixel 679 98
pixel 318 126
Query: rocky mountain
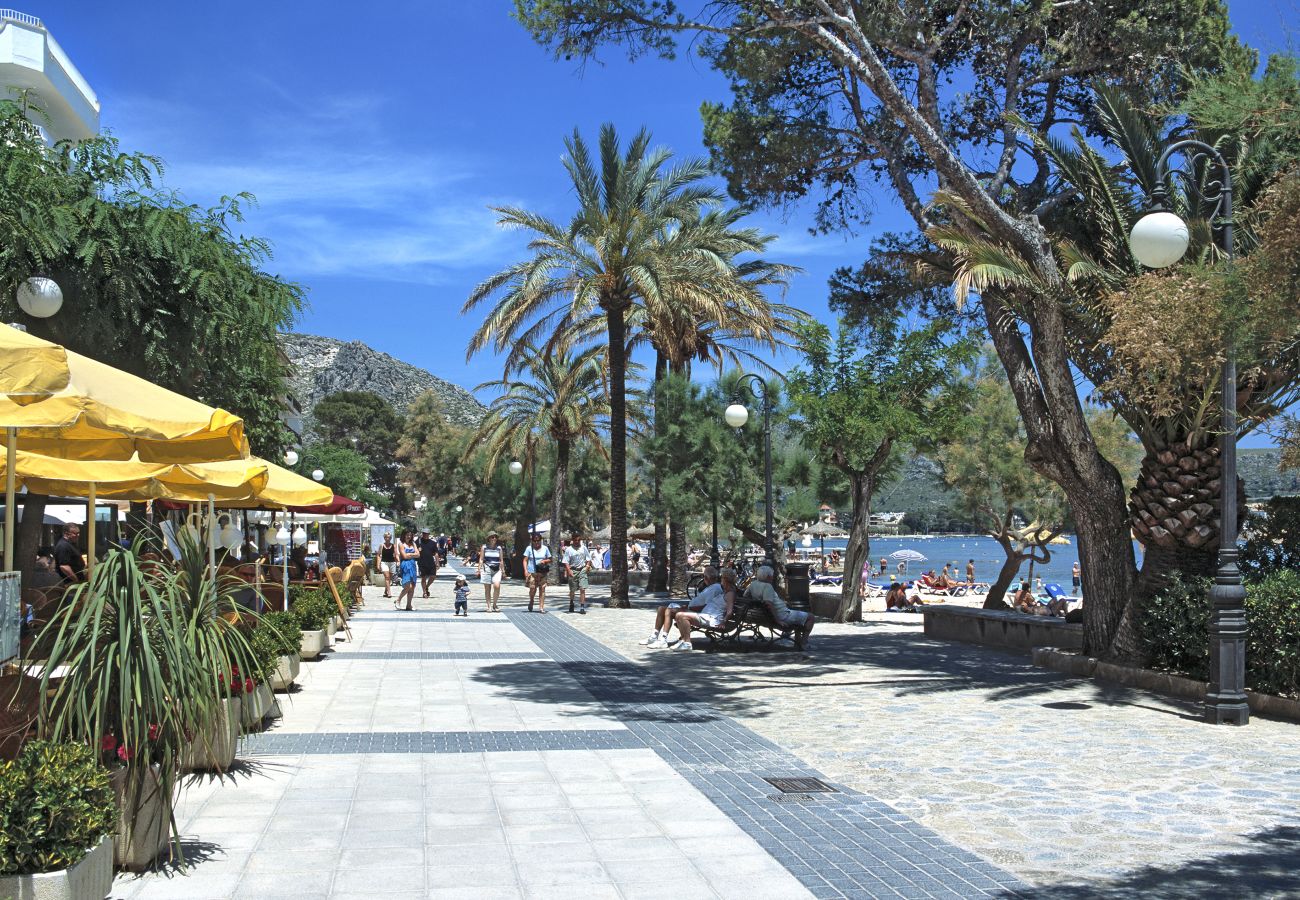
pixel 324 365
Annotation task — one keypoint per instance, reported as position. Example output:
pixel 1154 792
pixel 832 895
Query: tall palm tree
pixel 562 398
pixel 610 253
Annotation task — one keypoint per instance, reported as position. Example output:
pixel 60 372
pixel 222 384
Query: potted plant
pixel 259 702
pixel 215 750
pixel 313 610
pixel 143 650
pixel 56 824
pixel 284 627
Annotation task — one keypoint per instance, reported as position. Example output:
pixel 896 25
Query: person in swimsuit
pixel 491 560
pixel 408 556
pixel 388 562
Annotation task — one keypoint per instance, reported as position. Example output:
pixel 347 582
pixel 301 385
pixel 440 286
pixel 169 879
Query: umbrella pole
pixel 284 567
pixel 90 531
pixel 11 482
pixel 212 540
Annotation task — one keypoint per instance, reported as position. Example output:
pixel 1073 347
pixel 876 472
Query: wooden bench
pixel 752 618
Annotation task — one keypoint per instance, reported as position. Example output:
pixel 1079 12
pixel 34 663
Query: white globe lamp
pixel 40 297
pixel 516 467
pixel 459 508
pixel 299 536
pixel 231 537
pixel 291 457
pixel 317 474
pixel 1159 239
pixel 807 540
pixel 736 415
pixel 272 536
pixel 282 536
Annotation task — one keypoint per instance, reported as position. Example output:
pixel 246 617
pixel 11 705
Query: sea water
pixel 958 549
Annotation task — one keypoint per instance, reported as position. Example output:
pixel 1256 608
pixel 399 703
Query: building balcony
pixel 33 66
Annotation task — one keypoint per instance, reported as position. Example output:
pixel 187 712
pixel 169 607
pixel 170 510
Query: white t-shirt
pixel 715 605
pixel 575 557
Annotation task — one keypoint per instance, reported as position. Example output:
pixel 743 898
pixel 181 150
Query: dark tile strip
pixel 838 845
pixel 275 744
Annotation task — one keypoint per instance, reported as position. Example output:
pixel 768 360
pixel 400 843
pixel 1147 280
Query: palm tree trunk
pixel 658 580
pixel 557 506
pixel 27 537
pixel 676 575
pixel 617 454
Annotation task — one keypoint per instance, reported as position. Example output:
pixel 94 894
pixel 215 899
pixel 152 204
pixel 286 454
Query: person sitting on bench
pixel 796 620
pixel 664 617
pixel 717 609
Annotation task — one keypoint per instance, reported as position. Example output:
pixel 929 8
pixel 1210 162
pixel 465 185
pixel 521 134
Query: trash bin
pixel 797 579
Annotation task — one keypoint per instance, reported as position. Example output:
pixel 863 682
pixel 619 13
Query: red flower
pixel 234 671
pixel 155 731
pixel 248 685
pixel 236 687
pixel 221 679
pixel 107 742
pixel 124 754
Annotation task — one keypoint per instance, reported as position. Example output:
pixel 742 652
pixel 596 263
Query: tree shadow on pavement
pixel 1269 868
pixel 696 686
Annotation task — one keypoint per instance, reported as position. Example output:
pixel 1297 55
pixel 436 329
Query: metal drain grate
pixel 801 785
pixel 790 798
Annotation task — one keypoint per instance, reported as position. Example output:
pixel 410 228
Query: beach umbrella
pixel 31 369
pixel 907 555
pixel 603 534
pixel 822 530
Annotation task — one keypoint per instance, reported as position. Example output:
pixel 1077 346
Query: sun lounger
pixel 1055 592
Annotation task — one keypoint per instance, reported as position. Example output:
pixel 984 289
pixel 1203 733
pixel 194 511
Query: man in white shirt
pixel 795 620
pixel 576 563
pixel 667 613
pixel 716 610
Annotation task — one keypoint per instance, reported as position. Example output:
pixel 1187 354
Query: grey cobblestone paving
pixel 845 844
pixel 440 654
pixel 275 744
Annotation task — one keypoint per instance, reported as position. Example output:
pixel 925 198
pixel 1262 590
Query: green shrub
pixel 1174 627
pixel 284 627
pixel 265 644
pixel 313 609
pixel 55 804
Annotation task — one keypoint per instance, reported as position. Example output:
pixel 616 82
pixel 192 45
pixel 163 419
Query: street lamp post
pixel 1160 239
pixel 716 559
pixel 736 416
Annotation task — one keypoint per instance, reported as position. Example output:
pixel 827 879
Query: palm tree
pixel 610 253
pixel 562 398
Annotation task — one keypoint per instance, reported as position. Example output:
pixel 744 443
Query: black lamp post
pixel 736 416
pixel 1160 239
pixel 716 559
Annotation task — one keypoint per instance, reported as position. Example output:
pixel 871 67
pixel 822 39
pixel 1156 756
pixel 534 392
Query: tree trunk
pixel 1061 448
pixel 617 455
pixel 677 543
pixel 1010 566
pixel 27 537
pixel 556 537
pixel 521 543
pixel 862 487
pixel 658 578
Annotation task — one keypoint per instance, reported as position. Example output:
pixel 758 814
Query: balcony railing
pixel 22 17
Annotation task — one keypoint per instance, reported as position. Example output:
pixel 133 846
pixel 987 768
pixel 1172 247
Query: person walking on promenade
pixel 388 562
pixel 491 557
pixel 408 556
pixel 576 563
pixel 428 561
pixel 537 565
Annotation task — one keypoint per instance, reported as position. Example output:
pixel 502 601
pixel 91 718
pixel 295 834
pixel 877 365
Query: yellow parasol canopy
pixel 104 413
pixel 283 488
pixel 31 369
pixel 136 480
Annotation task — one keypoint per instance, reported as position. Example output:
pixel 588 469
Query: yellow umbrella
pixel 136 480
pixel 282 489
pixel 30 369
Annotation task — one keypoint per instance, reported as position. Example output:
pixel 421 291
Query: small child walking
pixel 462 597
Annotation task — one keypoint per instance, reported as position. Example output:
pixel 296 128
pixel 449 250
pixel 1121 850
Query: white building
pixel 33 63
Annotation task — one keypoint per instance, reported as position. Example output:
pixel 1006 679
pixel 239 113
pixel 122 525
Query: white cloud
pixel 334 195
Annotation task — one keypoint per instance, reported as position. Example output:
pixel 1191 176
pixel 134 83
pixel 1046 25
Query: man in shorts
pixel 576 563
pixel 667 613
pixel 716 609
pixel 795 620
pixel 428 561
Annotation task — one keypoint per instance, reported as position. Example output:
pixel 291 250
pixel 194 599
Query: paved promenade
pixel 519 755
pixel 510 756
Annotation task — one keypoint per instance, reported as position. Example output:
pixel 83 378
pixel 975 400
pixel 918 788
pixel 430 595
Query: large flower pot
pixel 216 750
pixel 285 673
pixel 90 879
pixel 313 642
pixel 332 629
pixel 143 821
pixel 253 708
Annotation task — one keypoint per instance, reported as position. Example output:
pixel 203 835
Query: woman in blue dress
pixel 407 555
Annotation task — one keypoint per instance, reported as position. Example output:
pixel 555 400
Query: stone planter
pixel 285 673
pixel 217 751
pixel 257 706
pixel 90 879
pixel 331 629
pixel 313 642
pixel 143 822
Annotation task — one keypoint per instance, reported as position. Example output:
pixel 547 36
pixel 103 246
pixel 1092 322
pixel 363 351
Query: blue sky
pixel 376 136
